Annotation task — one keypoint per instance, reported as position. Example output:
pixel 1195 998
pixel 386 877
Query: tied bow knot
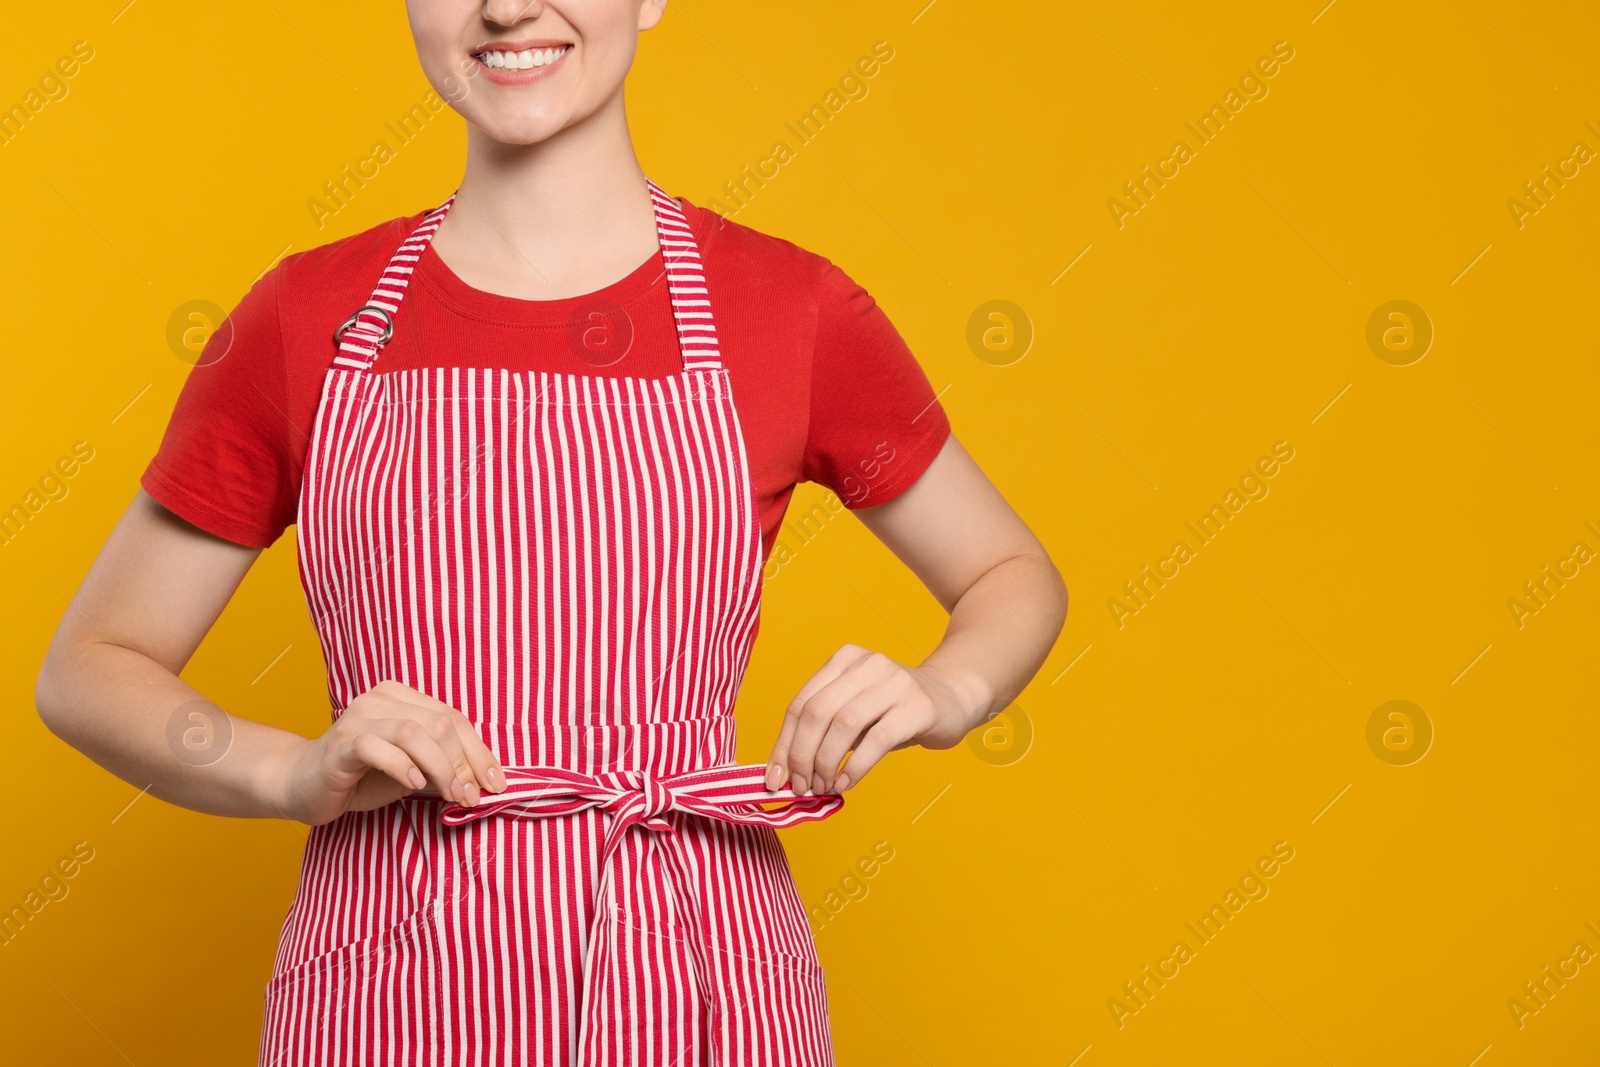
pixel 652 798
pixel 734 793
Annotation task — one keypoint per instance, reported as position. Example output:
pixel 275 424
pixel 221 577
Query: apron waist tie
pixel 733 793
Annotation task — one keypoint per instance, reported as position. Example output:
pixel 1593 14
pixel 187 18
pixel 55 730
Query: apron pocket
pixel 777 1000
pixel 360 995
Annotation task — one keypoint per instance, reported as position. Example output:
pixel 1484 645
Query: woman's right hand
pixel 390 741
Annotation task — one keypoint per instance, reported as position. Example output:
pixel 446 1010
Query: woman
pixel 531 529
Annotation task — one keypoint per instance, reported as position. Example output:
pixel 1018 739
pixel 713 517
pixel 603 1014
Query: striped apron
pixel 573 562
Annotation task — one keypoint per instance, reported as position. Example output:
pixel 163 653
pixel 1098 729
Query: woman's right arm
pixel 109 687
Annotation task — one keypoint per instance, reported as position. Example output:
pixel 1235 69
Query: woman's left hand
pixel 863 701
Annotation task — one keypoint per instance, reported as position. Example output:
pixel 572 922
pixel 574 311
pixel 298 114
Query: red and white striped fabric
pixel 574 562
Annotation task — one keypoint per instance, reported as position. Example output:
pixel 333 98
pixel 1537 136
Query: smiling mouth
pixel 524 59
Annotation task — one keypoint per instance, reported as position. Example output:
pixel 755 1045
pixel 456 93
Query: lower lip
pixel 501 76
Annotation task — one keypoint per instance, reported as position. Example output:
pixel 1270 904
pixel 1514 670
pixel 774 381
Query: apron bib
pixel 573 562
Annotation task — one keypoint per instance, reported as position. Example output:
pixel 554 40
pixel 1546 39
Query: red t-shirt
pixel 825 387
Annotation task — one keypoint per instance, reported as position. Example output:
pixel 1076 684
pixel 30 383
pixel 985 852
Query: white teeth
pixel 525 60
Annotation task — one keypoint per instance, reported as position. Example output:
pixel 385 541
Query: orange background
pixel 1165 753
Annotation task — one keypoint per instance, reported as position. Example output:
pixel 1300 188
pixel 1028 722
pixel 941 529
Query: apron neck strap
pixel 364 333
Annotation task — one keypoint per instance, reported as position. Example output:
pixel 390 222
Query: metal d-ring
pixel 388 324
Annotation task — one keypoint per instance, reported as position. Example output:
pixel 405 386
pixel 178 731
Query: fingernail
pixel 817 784
pixel 774 776
pixel 456 792
pixel 472 794
pixel 497 779
pixel 797 783
pixel 841 783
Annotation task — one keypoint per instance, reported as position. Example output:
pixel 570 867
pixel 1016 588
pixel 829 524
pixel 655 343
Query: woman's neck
pixel 560 218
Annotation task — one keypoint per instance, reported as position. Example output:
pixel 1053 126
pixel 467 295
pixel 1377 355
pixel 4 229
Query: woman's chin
pixel 518 129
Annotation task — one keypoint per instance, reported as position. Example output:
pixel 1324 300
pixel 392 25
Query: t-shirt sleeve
pixel 875 421
pixel 224 462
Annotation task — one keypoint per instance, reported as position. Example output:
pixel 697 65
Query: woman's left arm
pixel 1007 603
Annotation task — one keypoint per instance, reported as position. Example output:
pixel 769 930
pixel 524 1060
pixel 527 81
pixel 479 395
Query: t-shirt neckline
pixel 448 287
